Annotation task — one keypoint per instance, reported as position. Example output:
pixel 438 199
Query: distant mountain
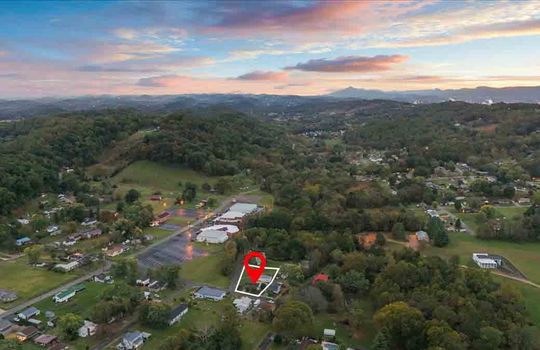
pixel 482 94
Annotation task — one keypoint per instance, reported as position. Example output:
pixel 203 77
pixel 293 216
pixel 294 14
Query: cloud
pixel 97 68
pixel 158 64
pixel 262 75
pixel 351 64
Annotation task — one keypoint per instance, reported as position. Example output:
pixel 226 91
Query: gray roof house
pixel 28 313
pixel 210 293
pixel 5 326
pixel 133 340
pixel 7 296
pixel 177 313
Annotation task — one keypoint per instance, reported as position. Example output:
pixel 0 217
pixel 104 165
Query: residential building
pixel 67 267
pixel 64 296
pixel 22 241
pixel 212 236
pixel 329 346
pixel 329 333
pixel 115 250
pixel 321 277
pixel 27 333
pixel 103 278
pixel 177 313
pixel 133 340
pixel 87 329
pixel 422 236
pixel 242 304
pixel 5 327
pixel 161 218
pixel 7 296
pixel 46 340
pixel 230 229
pixel 486 261
pixel 209 293
pixel 28 313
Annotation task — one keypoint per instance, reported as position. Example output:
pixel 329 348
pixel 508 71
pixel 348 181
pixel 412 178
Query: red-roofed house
pixel 321 277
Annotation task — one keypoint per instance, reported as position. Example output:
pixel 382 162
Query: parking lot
pixel 174 251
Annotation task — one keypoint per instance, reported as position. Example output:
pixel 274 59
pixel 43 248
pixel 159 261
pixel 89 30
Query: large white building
pixel 212 236
pixel 486 261
pixel 237 212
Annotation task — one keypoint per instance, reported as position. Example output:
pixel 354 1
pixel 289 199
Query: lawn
pixel 511 212
pixel 16 274
pixel 81 304
pixel 205 270
pixel 525 256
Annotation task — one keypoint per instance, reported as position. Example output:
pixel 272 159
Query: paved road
pixel 52 292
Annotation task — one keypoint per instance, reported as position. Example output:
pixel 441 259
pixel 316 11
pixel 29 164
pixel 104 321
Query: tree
pixel 381 340
pixel 437 233
pixel 69 325
pixel 293 319
pixel 405 325
pixel 34 253
pixel 398 231
pixel 313 297
pixel 490 338
pixel 458 206
pixel 440 334
pixel 10 344
pixel 357 315
pixel 223 186
pixel 132 196
pixel 354 282
pixel 190 191
pixel 155 315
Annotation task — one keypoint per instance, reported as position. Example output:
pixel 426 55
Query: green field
pixel 202 315
pixel 511 212
pixel 16 274
pixel 525 256
pixel 205 270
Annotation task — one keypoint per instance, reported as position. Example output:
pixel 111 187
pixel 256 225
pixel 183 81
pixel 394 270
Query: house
pixel 91 233
pixel 177 313
pixel 161 218
pixel 89 222
pixel 67 267
pixel 87 329
pixel 275 287
pixel 329 333
pixel 524 201
pixel 22 241
pixel 486 261
pixel 230 217
pixel 143 283
pixel 133 340
pixel 53 230
pixel 422 236
pixel 28 313
pixel 115 250
pixel 209 293
pixel 321 277
pixel 157 286
pixel 368 239
pixel 46 340
pixel 103 278
pixel 212 236
pixel 155 197
pixel 27 333
pixel 7 296
pixel 23 221
pixel 59 346
pixel 242 304
pixel 5 327
pixel 64 296
pixel 329 346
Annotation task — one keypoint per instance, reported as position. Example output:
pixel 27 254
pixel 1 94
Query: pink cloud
pixel 352 64
pixel 263 75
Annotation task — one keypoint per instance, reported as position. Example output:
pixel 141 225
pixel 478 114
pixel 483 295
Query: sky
pixel 72 48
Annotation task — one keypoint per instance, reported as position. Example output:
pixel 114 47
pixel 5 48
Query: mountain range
pixel 265 105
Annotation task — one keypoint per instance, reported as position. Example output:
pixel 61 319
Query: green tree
pixel 132 196
pixel 381 340
pixel 293 319
pixel 405 325
pixel 354 282
pixel 398 231
pixel 34 253
pixel 155 315
pixel 69 325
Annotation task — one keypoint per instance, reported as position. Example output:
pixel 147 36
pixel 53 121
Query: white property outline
pixel 264 290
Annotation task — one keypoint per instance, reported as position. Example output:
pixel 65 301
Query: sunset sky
pixel 293 47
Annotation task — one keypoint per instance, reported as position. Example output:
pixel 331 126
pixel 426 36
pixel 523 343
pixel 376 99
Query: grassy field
pixel 205 270
pixel 16 274
pixel 511 212
pixel 202 315
pixel 525 256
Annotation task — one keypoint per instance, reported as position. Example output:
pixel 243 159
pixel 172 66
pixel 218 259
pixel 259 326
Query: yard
pixel 525 256
pixel 205 270
pixel 16 274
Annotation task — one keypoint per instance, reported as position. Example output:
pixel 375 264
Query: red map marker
pixel 255 272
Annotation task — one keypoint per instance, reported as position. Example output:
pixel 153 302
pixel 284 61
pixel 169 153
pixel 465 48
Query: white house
pixel 133 340
pixel 230 229
pixel 209 293
pixel 67 267
pixel 177 313
pixel 87 329
pixel 485 261
pixel 64 296
pixel 242 304
pixel 28 313
pixel 212 236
